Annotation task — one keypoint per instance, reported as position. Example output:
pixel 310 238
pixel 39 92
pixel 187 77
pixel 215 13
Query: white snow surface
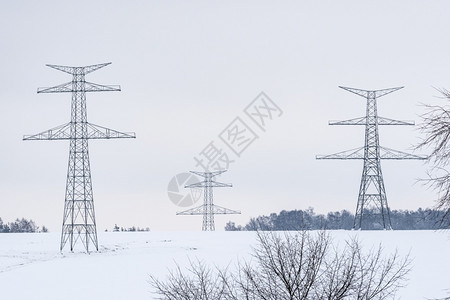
pixel 32 267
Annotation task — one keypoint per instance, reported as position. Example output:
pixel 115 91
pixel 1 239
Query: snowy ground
pixel 31 267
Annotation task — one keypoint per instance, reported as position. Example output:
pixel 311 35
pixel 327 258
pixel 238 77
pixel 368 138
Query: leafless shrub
pixel 301 265
pixel 199 282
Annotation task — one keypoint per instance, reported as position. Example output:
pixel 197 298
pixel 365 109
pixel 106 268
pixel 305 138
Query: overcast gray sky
pixel 189 68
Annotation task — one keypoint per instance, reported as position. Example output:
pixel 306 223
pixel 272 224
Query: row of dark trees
pixel 130 229
pixel 20 225
pixel 420 219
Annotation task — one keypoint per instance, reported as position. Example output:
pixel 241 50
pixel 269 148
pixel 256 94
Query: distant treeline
pixel 307 219
pixel 130 229
pixel 22 225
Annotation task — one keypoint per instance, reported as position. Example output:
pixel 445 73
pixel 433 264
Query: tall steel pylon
pixel 372 190
pixel 79 217
pixel 208 209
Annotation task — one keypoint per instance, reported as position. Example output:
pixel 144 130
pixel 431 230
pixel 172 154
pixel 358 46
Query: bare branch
pixel 302 265
pixel 436 128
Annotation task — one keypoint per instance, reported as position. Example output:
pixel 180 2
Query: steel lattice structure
pixel 79 216
pixel 208 209
pixel 372 190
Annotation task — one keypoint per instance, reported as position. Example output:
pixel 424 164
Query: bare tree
pixel 287 266
pixel 200 282
pixel 302 265
pixel 436 128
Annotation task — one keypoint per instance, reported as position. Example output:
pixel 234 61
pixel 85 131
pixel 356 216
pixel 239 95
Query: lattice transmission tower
pixel 372 193
pixel 208 209
pixel 79 217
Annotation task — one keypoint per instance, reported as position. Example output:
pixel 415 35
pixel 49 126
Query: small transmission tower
pixel 208 209
pixel 79 217
pixel 372 191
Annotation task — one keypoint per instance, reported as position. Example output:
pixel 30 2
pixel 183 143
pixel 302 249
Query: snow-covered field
pixel 31 266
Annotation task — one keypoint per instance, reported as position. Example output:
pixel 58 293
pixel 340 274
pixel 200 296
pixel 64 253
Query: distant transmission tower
pixel 79 217
pixel 371 189
pixel 208 209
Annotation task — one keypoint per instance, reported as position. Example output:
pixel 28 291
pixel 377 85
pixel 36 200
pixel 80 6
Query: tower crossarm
pixel 196 185
pixel 209 184
pixel 355 121
pixel 208 174
pixel 100 132
pixel 371 94
pixel 387 121
pixel 79 70
pixel 78 83
pixel 62 88
pixel 357 153
pixel 219 210
pixel 363 121
pixel 61 132
pixel 386 153
pixel 200 210
pixel 220 184
pixel 94 87
pixel 69 87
